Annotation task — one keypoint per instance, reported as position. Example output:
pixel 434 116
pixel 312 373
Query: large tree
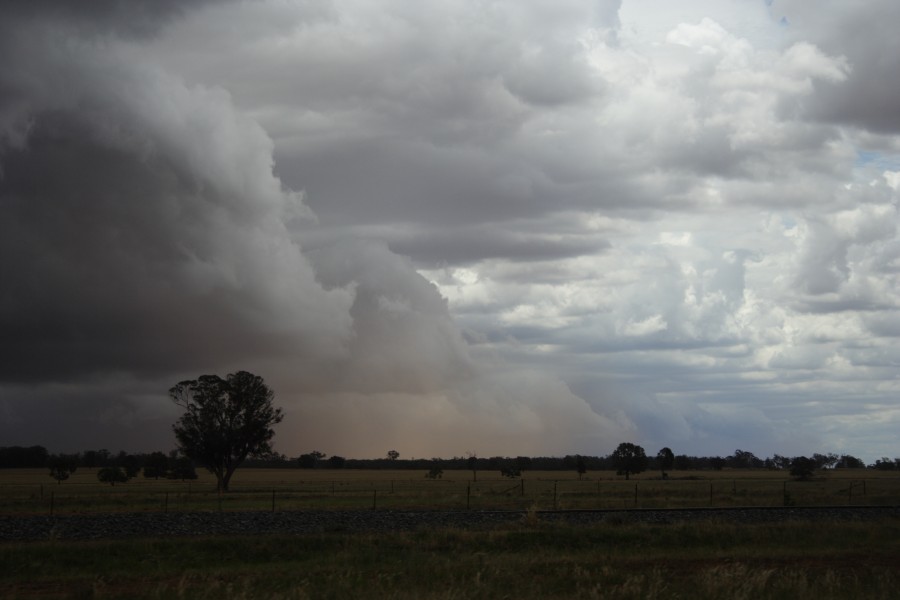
pixel 629 459
pixel 225 421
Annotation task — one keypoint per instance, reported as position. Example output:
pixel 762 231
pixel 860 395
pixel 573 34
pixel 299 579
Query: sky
pixel 453 228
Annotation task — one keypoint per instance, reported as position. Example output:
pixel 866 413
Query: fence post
pixel 166 503
pixel 374 498
pixel 51 504
pixel 468 495
pixel 710 494
pixel 273 500
pixel 522 487
pixel 554 495
pixel 635 495
pixel 850 493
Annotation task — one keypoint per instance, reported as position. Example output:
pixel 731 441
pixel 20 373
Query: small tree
pixel 802 468
pixel 665 458
pixel 580 466
pixel 112 475
pixel 225 421
pixel 61 466
pixel 310 460
pixel 436 471
pixel 510 471
pixel 472 464
pixel 393 455
pixel 336 462
pixel 629 459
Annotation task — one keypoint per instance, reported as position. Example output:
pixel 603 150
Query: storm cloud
pixel 146 238
pixel 510 228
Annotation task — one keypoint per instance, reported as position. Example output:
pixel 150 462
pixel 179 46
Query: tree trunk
pixel 221 484
pixel 226 478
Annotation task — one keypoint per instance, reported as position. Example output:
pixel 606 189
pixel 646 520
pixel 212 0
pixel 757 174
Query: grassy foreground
pixel 531 560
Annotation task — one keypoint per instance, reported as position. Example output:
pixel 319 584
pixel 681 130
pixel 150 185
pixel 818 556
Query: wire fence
pixel 446 494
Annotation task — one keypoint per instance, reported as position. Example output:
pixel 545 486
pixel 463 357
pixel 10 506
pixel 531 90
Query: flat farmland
pixel 32 491
pixel 529 556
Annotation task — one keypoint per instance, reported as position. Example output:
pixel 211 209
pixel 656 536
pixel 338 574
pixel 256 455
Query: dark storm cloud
pixel 145 239
pixel 142 230
pixel 112 412
pixel 124 17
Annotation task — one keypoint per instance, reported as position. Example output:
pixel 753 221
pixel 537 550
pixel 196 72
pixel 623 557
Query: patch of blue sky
pixel 877 160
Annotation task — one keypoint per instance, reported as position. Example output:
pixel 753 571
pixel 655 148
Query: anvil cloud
pixel 490 227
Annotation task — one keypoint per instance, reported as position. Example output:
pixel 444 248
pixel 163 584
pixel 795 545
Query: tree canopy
pixel 802 467
pixel 666 460
pixel 61 466
pixel 629 459
pixel 225 421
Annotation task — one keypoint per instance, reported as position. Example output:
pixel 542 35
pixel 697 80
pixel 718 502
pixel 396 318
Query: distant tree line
pixel 627 459
pixel 110 468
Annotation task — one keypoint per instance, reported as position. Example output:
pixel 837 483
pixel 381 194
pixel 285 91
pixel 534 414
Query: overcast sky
pixel 490 227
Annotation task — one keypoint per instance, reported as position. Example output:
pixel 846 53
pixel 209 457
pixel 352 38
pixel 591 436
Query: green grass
pixel 529 560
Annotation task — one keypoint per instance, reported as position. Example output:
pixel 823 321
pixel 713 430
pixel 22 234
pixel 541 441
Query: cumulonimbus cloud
pixel 145 238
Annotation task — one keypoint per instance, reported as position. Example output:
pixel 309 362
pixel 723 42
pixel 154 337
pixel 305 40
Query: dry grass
pixel 30 490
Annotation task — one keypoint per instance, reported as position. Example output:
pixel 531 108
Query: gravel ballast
pixel 129 525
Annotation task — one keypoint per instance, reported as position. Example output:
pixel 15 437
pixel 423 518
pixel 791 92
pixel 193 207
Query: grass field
pixel 32 491
pixel 523 561
pixel 615 559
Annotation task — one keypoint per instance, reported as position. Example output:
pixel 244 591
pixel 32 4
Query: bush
pixel 112 475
